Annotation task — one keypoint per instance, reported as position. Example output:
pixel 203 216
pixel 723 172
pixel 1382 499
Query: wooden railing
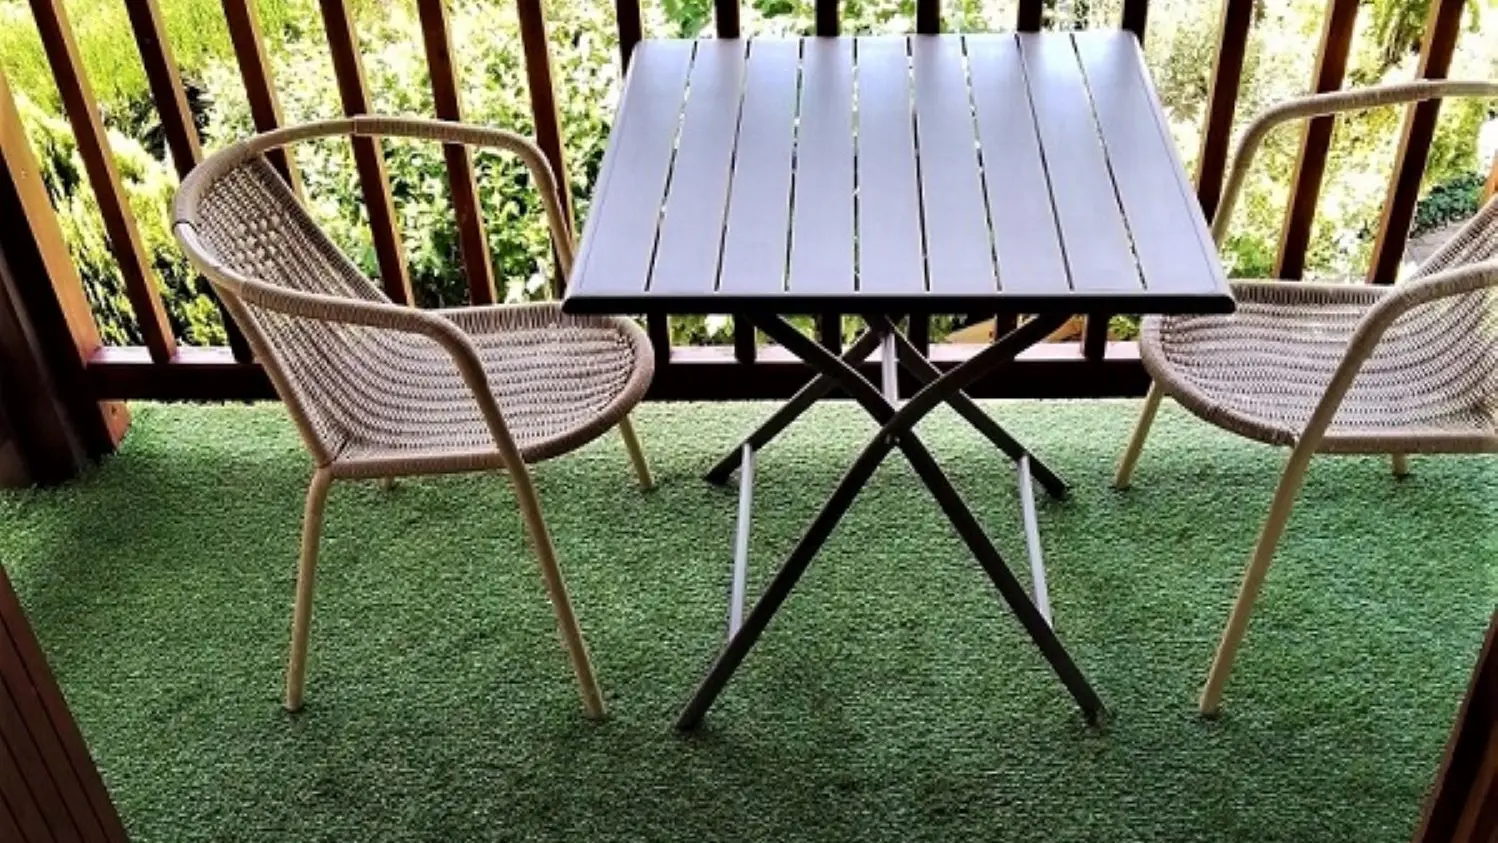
pixel 164 369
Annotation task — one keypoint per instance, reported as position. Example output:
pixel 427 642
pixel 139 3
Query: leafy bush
pixel 585 57
pixel 149 188
pixel 1448 202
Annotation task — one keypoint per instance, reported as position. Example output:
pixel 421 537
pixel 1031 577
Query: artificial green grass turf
pixel 892 699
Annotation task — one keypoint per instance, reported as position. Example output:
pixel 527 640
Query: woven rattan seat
pixel 381 390
pixel 1431 385
pixel 1323 368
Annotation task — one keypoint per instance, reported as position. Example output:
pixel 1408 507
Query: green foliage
pixel 1180 51
pixel 1449 202
pixel 149 188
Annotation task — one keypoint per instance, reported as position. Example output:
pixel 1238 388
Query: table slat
pixel 759 210
pixel 1019 197
pixel 1157 200
pixel 621 231
pixel 1098 251
pixel 890 247
pixel 822 210
pixel 691 235
pixel 959 251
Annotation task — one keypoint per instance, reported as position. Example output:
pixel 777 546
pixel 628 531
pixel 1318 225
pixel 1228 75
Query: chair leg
pixel 1400 464
pixel 636 453
pixel 1253 576
pixel 306 577
pixel 556 589
pixel 1124 476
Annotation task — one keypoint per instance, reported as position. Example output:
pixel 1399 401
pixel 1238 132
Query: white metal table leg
pixel 741 542
pixel 889 368
pixel 1032 540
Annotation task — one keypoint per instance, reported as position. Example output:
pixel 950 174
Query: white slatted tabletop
pixel 1021 173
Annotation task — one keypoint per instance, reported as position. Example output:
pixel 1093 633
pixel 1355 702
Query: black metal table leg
pixel 814 391
pixel 897 426
pixel 896 430
pixel 922 370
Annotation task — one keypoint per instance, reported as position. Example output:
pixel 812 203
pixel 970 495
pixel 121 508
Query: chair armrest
pixel 378 315
pixel 1370 330
pixel 1307 292
pixel 1318 105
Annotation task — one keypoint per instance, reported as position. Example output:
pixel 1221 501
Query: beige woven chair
pixel 1336 368
pixel 379 390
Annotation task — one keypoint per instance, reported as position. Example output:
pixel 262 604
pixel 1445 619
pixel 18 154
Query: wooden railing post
pixel 176 122
pixel 1491 189
pixel 1031 16
pixel 254 69
pixel 1442 28
pixel 473 245
pixel 1222 103
pixel 1135 16
pixel 829 22
pixel 104 177
pixel 54 425
pixel 1315 140
pixel 631 30
pixel 369 156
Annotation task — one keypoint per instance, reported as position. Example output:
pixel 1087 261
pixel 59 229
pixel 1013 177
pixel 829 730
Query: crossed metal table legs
pixel 897 422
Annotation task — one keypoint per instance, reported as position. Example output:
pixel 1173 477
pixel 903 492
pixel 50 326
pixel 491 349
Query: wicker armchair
pixel 379 390
pixel 1327 368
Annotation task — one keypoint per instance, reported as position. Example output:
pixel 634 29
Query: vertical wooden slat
pixel 1135 16
pixel 1442 28
pixel 1315 140
pixel 1222 104
pixel 1492 187
pixel 538 78
pixel 166 85
pixel 472 244
pixel 726 16
pixel 830 324
pixel 1095 334
pixel 176 121
pixel 658 328
pixel 369 158
pixel 829 21
pixel 254 69
pixel 919 332
pixel 1031 15
pixel 93 147
pixel 50 292
pixel 927 17
pixel 631 29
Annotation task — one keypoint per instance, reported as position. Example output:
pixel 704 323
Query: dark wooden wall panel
pixel 1463 807
pixel 48 780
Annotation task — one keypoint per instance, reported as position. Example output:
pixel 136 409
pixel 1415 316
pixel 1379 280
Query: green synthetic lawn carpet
pixel 893 698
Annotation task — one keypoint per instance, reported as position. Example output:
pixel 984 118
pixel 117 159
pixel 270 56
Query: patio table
pixel 888 176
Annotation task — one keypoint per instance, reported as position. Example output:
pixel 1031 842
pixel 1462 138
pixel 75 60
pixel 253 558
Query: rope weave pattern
pixel 1430 383
pixel 394 400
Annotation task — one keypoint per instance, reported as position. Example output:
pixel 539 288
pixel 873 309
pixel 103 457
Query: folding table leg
pixel 897 427
pixel 814 391
pixel 741 544
pixel 785 579
pixel 1032 541
pixel 923 371
pixel 896 431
